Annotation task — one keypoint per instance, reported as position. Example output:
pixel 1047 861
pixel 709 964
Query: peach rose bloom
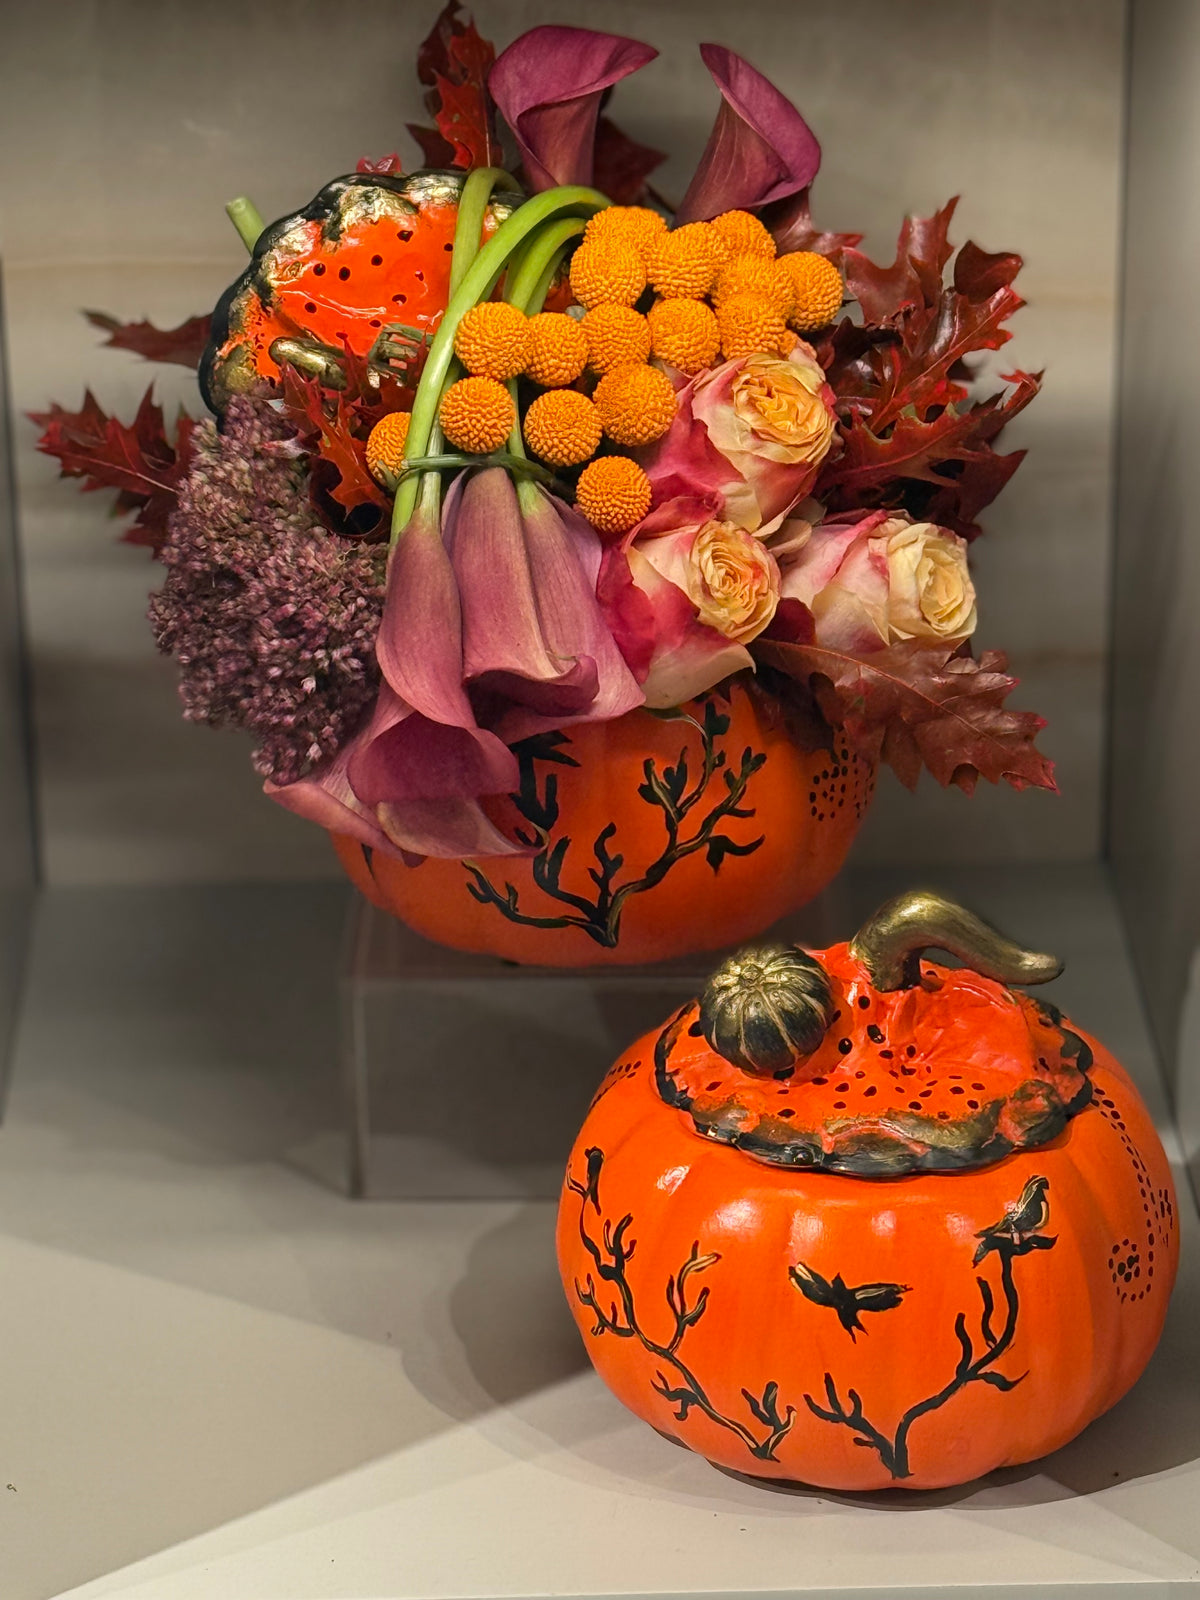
pixel 733 580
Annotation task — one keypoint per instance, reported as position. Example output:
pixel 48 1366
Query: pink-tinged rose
pixel 549 85
pixel 760 149
pixel 686 601
pixel 750 434
pixel 875 580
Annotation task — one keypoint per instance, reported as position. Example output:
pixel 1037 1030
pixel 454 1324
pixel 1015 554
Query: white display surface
pixel 219 1380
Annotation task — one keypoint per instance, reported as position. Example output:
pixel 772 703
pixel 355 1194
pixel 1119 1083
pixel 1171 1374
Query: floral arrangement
pixel 498 452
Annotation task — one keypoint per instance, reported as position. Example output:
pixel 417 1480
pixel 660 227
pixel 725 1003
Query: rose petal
pixel 687 657
pixel 549 84
pixel 760 149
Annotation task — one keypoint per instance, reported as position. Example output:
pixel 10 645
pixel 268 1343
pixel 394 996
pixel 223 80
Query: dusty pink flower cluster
pixel 271 618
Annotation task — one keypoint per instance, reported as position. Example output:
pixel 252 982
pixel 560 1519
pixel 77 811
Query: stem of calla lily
pixel 481 275
pixel 511 461
pixel 472 209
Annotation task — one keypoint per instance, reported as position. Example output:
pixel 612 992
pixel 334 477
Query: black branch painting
pixel 691 822
pixel 1017 1233
pixel 607 1294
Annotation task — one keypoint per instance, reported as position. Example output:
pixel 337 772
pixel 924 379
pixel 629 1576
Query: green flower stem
pixel 244 215
pixel 472 209
pixel 552 204
pixel 448 461
pixel 529 285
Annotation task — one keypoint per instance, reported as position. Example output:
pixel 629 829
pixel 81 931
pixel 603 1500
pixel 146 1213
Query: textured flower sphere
pixel 685 334
pixel 748 324
pixel 492 340
pixel 634 225
pixel 477 414
pixel 607 272
pixel 816 287
pixel 615 335
pixel 683 264
pixel 636 403
pixel 744 234
pixel 751 274
pixel 563 428
pixel 558 349
pixel 385 446
pixel 613 493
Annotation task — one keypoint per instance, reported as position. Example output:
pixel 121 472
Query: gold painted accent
pixel 890 943
pixel 312 359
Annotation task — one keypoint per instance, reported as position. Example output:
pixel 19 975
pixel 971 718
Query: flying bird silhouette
pixel 847 1301
pixel 1020 1223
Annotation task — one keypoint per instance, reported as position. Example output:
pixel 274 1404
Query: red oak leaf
pixel 331 427
pixel 453 63
pixel 914 278
pixel 917 705
pixel 183 345
pixel 139 461
pixel 794 229
pixel 622 165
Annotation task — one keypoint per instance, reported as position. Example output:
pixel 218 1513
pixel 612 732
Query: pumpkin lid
pixel 369 253
pixel 866 1060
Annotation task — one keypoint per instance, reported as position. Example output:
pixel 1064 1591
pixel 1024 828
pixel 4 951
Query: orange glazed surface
pixel 805 807
pixel 811 1311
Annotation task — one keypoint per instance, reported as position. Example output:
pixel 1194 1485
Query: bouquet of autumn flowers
pixel 502 453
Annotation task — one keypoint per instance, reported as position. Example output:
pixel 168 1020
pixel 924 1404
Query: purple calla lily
pixel 548 85
pixel 760 149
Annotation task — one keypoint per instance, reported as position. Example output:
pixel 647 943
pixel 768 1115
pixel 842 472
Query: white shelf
pixel 222 1381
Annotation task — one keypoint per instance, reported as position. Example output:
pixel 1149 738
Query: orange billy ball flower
pixel 744 234
pixel 817 287
pixel 563 428
pixel 613 493
pixel 385 446
pixel 558 349
pixel 477 414
pixel 749 324
pixel 750 274
pixel 615 336
pixel 684 334
pixel 683 264
pixel 608 272
pixel 492 340
pixel 635 225
pixel 636 403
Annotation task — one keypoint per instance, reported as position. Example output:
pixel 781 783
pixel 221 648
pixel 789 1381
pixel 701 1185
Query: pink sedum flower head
pixel 752 434
pixel 686 598
pixel 877 580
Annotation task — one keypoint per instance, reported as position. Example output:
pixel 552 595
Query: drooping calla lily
pixel 548 85
pixel 760 149
pixel 537 652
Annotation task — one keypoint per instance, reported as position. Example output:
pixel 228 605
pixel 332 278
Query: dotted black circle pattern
pixel 618 1071
pixel 1131 1262
pixel 847 780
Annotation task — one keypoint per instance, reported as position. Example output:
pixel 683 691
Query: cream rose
pixel 733 580
pixel 931 595
pixel 780 410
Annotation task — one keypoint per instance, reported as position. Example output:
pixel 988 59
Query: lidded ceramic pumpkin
pixel 859 1220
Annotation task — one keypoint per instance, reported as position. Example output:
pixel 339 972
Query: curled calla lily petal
pixel 760 149
pixel 548 85
pixel 326 798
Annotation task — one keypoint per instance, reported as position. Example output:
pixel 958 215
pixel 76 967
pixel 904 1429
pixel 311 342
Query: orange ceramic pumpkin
pixel 656 837
pixel 860 1220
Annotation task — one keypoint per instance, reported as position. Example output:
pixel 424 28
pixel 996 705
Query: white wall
pixel 124 126
pixel 1155 835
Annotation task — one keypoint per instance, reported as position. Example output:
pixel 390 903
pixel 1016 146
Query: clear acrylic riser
pixel 467 1077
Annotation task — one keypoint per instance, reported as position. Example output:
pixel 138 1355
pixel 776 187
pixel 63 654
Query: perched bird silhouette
pixel 1021 1223
pixel 839 1296
pixel 595 1160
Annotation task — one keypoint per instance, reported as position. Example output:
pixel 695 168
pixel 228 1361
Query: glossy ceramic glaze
pixel 868 1331
pixel 662 837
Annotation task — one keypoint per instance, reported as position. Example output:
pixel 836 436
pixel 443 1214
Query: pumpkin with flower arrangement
pixel 575 559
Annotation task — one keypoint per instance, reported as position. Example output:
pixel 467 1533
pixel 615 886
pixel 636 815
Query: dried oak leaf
pixel 622 165
pixel 917 704
pixel 183 345
pixel 790 221
pixel 139 461
pixel 331 425
pixel 453 63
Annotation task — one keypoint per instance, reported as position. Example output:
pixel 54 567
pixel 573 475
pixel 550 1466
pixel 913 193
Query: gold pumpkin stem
pixel 890 943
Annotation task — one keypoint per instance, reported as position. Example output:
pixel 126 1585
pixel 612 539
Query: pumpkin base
pixel 656 839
